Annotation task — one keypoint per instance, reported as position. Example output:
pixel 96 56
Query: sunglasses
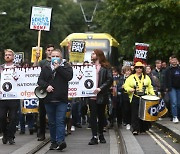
pixel 140 67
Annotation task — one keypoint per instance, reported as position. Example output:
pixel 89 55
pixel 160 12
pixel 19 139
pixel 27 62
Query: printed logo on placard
pixel 88 83
pixel 7 86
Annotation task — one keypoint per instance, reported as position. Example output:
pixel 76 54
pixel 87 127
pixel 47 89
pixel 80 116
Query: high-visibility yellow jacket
pixel 131 83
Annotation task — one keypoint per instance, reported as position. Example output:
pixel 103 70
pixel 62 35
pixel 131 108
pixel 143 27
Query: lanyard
pixel 139 82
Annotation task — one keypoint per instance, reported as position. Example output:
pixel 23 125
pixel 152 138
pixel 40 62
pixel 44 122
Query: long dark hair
pixel 102 59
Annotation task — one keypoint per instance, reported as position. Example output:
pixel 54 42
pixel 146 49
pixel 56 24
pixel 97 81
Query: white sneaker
pixel 175 120
pixel 160 119
pixel 72 128
pixel 128 127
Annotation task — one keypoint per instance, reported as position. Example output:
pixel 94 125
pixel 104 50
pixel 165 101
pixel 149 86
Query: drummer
pixel 138 84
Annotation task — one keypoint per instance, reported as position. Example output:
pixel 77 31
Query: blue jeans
pixel 174 95
pixel 56 112
pixel 76 112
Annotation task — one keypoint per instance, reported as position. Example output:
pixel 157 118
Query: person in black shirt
pixel 172 80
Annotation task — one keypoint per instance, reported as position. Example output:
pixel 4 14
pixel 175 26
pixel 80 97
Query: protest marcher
pixel 154 80
pixel 97 104
pixel 28 118
pixel 159 73
pixel 8 108
pixel 42 111
pixel 114 102
pixel 54 79
pixel 124 107
pixel 137 85
pixel 172 80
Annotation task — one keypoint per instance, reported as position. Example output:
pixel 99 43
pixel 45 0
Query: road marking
pixel 159 143
pixel 169 146
pixel 1 137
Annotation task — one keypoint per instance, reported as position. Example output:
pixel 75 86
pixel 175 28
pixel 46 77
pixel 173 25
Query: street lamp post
pixel 3 13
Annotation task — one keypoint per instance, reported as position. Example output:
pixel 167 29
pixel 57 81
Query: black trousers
pixel 8 117
pixel 136 123
pixel 42 118
pixel 97 117
pixel 126 109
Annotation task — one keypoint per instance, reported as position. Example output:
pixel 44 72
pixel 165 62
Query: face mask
pixel 55 60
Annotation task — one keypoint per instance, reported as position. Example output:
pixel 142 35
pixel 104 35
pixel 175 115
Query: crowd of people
pixel 118 94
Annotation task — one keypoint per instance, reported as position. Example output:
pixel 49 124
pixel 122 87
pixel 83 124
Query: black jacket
pixel 104 83
pixel 58 79
pixel 172 78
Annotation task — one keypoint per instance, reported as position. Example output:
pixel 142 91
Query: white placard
pixel 40 18
pixel 19 83
pixel 84 81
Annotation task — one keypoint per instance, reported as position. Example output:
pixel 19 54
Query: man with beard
pixel 8 108
pixel 98 104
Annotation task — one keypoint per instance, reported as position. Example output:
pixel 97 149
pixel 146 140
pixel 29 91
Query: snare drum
pixel 149 108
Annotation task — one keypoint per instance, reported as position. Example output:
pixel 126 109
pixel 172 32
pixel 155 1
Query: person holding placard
pixel 8 108
pixel 98 104
pixel 54 79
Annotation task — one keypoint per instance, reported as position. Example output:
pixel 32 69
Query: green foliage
pixel 153 22
pixel 16 34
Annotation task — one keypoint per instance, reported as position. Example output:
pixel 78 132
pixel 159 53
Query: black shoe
pixel 78 126
pixel 102 139
pixel 135 132
pixel 11 141
pixel 31 131
pixel 62 145
pixel 93 141
pixel 22 132
pixel 41 138
pixel 4 140
pixel 53 146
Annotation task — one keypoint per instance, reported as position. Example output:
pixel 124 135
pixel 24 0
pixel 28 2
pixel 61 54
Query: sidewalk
pixel 133 147
pixel 169 126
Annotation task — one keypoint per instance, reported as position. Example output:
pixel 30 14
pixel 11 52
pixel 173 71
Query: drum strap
pixel 139 83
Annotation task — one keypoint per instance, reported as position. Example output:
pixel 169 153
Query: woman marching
pixel 137 85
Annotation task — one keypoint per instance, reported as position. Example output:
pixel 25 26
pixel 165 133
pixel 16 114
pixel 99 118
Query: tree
pixel 153 22
pixel 16 34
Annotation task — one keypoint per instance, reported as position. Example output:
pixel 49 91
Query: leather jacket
pixel 104 83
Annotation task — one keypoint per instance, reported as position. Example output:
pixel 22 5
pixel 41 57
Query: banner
pixel 77 51
pixel 141 50
pixel 18 57
pixel 84 81
pixel 19 83
pixel 33 54
pixel 40 18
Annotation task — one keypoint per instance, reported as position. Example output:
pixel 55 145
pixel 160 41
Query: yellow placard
pixel 77 51
pixel 34 52
pixel 76 57
pixel 25 110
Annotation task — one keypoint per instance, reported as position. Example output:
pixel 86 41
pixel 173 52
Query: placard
pixel 40 18
pixel 19 83
pixel 83 83
pixel 34 52
pixel 18 57
pixel 29 105
pixel 141 51
pixel 77 51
